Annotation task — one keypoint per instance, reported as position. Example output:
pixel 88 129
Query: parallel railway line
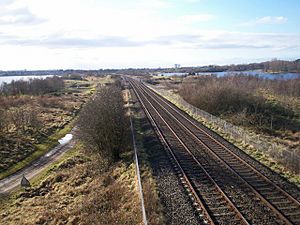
pixel 225 188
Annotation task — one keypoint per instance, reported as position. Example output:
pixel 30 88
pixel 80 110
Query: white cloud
pixel 19 16
pixel 189 19
pixel 272 20
pixel 193 1
pixel 267 20
pixel 97 34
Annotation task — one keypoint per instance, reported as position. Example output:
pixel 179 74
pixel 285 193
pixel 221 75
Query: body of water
pixel 259 73
pixel 9 79
pixel 172 74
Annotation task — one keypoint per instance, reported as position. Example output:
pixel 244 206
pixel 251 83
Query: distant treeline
pixel 273 66
pixel 270 66
pixel 32 86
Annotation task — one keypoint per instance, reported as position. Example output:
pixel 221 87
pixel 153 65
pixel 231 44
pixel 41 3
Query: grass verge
pixel 41 149
pixel 77 190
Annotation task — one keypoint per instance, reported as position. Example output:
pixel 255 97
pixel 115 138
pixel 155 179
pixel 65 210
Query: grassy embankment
pixel 56 111
pixel 282 106
pixel 79 189
pixel 76 190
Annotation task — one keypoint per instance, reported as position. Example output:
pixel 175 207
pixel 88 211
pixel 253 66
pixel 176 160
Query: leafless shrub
pixel 32 86
pixel 50 102
pixel 24 119
pixel 236 97
pixel 102 123
pixel 3 121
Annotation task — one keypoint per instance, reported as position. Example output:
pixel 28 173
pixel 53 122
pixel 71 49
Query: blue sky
pixel 93 34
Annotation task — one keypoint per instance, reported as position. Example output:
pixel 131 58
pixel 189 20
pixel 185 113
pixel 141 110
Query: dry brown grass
pixel 44 114
pixel 75 193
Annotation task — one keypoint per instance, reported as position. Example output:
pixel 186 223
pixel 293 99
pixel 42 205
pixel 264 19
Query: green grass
pixel 41 149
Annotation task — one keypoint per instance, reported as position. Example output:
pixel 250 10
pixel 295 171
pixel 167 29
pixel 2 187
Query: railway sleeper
pixel 260 184
pixel 293 213
pixel 254 180
pixel 224 214
pixel 290 207
pixel 246 171
pixel 268 191
pixel 275 197
pixel 283 202
pixel 212 199
pixel 249 176
pixel 270 194
pixel 221 208
pixel 213 195
pixel 203 186
pixel 201 180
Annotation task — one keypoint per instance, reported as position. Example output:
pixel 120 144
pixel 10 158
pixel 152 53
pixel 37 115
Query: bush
pixel 73 77
pixel 3 121
pixel 33 86
pixel 236 98
pixel 24 119
pixel 102 123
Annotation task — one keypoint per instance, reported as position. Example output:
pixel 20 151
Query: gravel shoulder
pixel 176 205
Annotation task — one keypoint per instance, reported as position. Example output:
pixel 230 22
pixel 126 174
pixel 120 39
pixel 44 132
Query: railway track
pixel 225 188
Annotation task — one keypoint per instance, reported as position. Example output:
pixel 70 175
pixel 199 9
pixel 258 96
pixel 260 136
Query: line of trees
pixel 282 66
pixel 102 123
pixel 33 86
pixel 274 65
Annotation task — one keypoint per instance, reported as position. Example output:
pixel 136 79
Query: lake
pixel 259 73
pixel 9 79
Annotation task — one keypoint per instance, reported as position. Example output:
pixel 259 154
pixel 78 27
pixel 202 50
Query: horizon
pixel 93 35
pixel 142 68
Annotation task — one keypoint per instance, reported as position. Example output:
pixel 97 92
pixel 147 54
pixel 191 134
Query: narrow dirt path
pixel 13 181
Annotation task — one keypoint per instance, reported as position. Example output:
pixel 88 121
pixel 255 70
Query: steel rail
pixel 231 204
pixel 228 150
pixel 269 204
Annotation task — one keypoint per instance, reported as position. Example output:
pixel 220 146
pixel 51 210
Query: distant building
pixel 177 66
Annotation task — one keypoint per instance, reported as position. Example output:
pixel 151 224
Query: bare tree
pixel 102 123
pixel 33 86
pixel 24 119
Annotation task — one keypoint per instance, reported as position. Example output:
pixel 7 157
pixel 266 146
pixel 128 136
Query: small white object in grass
pixel 65 139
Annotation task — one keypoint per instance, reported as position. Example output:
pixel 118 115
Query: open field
pixel 52 114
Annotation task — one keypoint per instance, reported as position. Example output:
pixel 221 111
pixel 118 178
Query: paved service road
pixel 11 182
